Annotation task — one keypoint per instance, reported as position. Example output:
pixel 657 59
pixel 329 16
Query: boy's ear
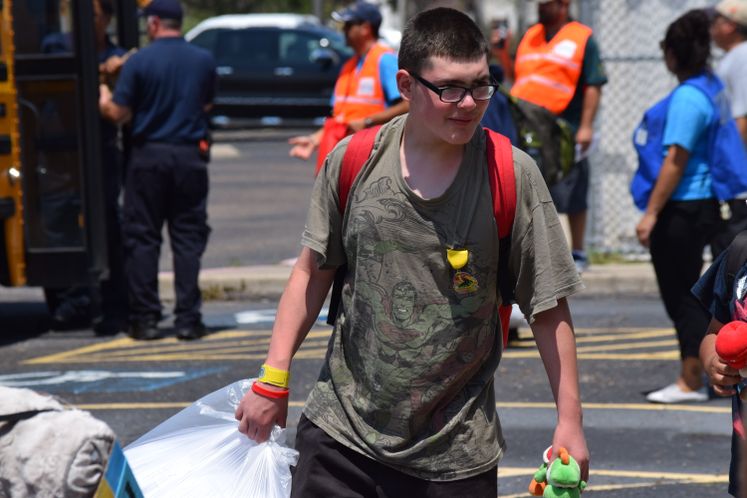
pixel 404 84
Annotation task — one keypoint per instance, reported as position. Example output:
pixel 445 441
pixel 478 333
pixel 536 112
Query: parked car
pixel 272 68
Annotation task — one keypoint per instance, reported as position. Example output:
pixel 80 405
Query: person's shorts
pixel 570 194
pixel 327 468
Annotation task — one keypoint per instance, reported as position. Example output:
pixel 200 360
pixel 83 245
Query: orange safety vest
pixel 359 94
pixel 547 73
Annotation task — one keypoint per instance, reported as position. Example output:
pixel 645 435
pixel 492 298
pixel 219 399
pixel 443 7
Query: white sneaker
pixel 673 394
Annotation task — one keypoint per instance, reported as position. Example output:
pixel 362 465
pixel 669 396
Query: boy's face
pixel 453 123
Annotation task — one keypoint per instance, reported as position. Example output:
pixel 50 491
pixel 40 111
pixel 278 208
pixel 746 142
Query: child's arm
pixel 722 377
pixel 553 332
pixel 297 311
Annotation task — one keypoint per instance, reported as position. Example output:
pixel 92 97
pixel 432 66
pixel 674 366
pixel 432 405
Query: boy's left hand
pixel 571 436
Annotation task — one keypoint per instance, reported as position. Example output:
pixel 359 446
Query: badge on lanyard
pixel 463 282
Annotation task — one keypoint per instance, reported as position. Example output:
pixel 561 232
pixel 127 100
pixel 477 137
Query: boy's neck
pixel 429 165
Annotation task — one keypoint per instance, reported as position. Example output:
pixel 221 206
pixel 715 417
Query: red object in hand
pixel 731 344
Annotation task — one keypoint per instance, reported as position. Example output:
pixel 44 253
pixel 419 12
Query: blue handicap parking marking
pixel 103 381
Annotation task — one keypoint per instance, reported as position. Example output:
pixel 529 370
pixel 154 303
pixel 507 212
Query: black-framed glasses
pixel 455 94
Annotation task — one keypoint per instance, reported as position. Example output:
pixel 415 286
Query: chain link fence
pixel 628 33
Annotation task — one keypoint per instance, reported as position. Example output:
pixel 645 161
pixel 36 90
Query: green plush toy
pixel 560 478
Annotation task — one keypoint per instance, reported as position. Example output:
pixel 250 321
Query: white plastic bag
pixel 200 452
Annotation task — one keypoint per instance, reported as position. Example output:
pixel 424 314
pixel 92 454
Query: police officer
pixel 166 90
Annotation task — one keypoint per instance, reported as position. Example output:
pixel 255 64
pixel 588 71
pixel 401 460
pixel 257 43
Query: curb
pixel 234 284
pixel 267 282
pixel 624 279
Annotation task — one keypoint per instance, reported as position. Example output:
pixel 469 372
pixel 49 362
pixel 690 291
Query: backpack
pixel 547 138
pixel 49 449
pixel 726 157
pixel 502 186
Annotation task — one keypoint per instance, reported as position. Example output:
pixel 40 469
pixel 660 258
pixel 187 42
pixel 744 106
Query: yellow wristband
pixel 274 376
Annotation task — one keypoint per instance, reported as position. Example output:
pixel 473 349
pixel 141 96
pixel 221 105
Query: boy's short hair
pixel 441 32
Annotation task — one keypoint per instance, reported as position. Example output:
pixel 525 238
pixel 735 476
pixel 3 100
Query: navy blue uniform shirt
pixel 167 85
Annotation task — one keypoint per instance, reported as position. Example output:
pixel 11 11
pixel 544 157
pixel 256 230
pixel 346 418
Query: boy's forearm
pixel 556 342
pixel 298 309
pixel 708 344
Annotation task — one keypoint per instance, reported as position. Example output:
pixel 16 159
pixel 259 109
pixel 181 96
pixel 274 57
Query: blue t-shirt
pixel 388 76
pixel 688 117
pixel 166 85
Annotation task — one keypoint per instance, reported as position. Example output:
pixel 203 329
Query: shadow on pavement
pixel 22 320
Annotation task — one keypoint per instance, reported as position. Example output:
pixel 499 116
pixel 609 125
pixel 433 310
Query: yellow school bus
pixel 51 173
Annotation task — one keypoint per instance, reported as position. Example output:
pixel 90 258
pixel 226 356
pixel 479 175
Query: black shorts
pixel 570 194
pixel 327 469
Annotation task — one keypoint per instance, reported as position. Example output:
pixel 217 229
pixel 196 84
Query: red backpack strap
pixel 359 148
pixel 503 188
pixel 502 181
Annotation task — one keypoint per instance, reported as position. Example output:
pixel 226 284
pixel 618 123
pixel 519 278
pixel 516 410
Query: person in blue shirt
pixel 165 90
pixel 497 116
pixel 72 307
pixel 113 289
pixel 683 216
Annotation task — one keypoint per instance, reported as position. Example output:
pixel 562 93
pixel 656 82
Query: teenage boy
pixel 405 402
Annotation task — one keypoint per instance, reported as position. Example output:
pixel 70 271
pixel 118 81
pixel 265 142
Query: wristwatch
pixel 368 122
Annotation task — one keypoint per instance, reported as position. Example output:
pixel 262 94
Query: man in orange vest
pixel 558 66
pixel 366 91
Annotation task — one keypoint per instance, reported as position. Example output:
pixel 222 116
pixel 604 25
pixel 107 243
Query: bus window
pixel 46 75
pixel 49 124
pixel 42 26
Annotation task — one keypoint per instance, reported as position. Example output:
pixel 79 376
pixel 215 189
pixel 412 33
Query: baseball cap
pixel 733 10
pixel 359 11
pixel 165 9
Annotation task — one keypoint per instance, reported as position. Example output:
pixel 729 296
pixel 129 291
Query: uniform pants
pixel 165 183
pixel 681 233
pixel 328 469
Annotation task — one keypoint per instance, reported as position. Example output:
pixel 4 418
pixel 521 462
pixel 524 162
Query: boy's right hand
pixel 722 377
pixel 257 415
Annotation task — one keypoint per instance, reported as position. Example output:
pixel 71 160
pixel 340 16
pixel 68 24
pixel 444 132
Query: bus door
pixel 56 77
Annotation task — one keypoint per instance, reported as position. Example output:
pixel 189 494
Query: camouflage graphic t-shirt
pixel 408 377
